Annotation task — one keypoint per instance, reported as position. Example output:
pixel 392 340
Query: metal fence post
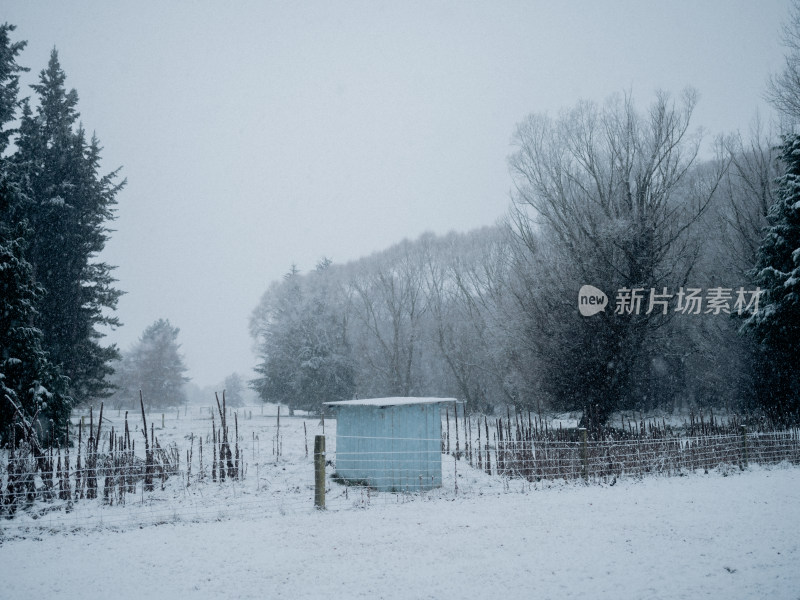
pixel 319 472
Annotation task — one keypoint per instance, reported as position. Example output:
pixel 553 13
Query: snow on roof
pixel 399 401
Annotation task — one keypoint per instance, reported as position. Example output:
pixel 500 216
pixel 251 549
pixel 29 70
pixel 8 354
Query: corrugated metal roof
pixel 399 401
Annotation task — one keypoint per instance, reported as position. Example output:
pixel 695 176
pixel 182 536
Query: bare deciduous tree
pixel 606 196
pixel 783 89
pixel 388 305
pixel 748 193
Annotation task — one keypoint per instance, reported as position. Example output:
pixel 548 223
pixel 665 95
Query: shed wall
pixel 391 448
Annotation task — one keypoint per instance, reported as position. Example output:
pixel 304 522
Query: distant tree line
pixel 55 207
pixel 608 195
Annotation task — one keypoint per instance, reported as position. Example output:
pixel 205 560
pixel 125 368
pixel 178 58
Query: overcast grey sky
pixel 255 135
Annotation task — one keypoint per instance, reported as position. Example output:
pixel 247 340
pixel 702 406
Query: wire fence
pixel 604 459
pixel 201 467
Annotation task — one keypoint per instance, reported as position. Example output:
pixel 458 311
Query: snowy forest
pixel 613 195
pixel 696 245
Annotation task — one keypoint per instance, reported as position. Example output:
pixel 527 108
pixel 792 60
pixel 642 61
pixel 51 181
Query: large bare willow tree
pixel 783 90
pixel 607 195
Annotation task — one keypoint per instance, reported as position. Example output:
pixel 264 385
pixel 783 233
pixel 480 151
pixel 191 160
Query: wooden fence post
pixel 319 472
pixel 584 453
pixel 278 434
pixel 744 447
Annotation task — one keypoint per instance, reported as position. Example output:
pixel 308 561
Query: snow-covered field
pixel 726 534
pixel 684 537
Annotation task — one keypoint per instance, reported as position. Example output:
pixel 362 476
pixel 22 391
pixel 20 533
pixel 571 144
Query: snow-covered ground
pixel 728 534
pixel 699 536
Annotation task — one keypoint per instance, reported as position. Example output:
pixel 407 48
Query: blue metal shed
pixel 391 444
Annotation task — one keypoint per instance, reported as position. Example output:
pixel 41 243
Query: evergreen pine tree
pixel 68 203
pixel 776 324
pixel 305 357
pixel 28 380
pixel 234 390
pixel 9 82
pixel 154 366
